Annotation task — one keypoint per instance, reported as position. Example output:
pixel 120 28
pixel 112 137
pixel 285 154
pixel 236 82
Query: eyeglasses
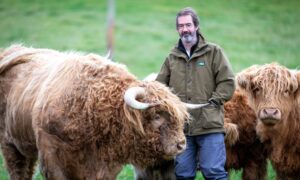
pixel 187 25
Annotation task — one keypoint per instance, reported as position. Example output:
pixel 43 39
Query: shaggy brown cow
pixel 274 94
pixel 68 111
pixel 246 153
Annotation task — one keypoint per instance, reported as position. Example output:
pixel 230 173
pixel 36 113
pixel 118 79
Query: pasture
pixel 250 32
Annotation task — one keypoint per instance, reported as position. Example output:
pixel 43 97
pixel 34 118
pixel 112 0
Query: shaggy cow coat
pixel 247 153
pixel 67 110
pixel 244 152
pixel 274 94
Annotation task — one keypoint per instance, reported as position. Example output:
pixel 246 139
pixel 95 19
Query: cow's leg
pixel 51 164
pixel 18 166
pixel 255 170
pixel 107 173
pixel 256 164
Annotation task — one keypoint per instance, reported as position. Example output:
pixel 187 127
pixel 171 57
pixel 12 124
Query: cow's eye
pixel 156 117
pixel 286 93
pixel 256 91
pixel 157 121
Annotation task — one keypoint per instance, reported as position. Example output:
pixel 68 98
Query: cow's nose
pixel 181 145
pixel 271 111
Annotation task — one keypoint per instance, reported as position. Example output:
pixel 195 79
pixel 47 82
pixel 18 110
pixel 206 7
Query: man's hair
pixel 188 11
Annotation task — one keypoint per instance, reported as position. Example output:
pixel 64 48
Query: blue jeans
pixel 208 151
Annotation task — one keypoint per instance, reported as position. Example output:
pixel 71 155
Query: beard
pixel 189 37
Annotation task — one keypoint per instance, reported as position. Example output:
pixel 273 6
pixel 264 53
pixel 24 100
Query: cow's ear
pixel 298 79
pixel 243 79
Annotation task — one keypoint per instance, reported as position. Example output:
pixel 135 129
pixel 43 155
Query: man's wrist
pixel 214 102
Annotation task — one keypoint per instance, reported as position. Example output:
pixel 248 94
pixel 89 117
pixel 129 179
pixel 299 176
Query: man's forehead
pixel 185 19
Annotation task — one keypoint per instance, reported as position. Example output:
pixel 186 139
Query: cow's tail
pixel 14 55
pixel 231 133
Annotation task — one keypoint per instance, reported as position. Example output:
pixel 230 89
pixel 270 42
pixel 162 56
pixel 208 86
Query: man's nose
pixel 184 28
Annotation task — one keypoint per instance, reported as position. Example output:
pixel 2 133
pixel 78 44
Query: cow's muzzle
pixel 181 145
pixel 270 116
pixel 175 148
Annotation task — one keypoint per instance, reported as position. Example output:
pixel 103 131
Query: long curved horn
pixel 130 98
pixel 196 106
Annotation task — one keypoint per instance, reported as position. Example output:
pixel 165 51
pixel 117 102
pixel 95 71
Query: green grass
pixel 250 32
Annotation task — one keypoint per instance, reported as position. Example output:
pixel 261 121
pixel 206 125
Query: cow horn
pixel 130 98
pixel 196 106
pixel 108 55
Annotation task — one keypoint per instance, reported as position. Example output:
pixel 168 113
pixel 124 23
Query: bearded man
pixel 199 72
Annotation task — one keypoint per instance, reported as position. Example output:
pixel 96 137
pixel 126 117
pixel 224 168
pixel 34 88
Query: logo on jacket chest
pixel 200 63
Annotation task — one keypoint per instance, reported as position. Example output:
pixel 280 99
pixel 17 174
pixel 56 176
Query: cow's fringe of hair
pixel 134 116
pixel 285 80
pixel 264 74
pixel 166 100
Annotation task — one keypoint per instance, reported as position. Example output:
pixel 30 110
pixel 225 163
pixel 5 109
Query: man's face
pixel 186 29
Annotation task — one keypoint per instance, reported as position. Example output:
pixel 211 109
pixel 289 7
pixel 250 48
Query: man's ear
pixel 243 79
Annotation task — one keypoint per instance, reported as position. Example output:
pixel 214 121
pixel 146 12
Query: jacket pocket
pixel 213 117
pixel 193 120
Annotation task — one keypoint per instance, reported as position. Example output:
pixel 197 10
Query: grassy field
pixel 250 32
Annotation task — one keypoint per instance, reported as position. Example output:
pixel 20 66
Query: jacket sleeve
pixel 165 73
pixel 224 77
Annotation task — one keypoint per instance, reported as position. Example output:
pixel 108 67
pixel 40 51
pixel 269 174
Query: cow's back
pixel 51 90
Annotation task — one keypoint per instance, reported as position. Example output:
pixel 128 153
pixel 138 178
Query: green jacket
pixel 206 74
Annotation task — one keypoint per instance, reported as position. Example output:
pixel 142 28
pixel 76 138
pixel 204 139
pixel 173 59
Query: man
pixel 199 72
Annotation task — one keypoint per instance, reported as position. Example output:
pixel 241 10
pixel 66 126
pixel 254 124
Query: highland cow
pixel 82 116
pixel 274 94
pixel 247 153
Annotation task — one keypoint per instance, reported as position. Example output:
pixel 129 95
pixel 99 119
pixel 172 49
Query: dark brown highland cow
pixel 82 116
pixel 247 153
